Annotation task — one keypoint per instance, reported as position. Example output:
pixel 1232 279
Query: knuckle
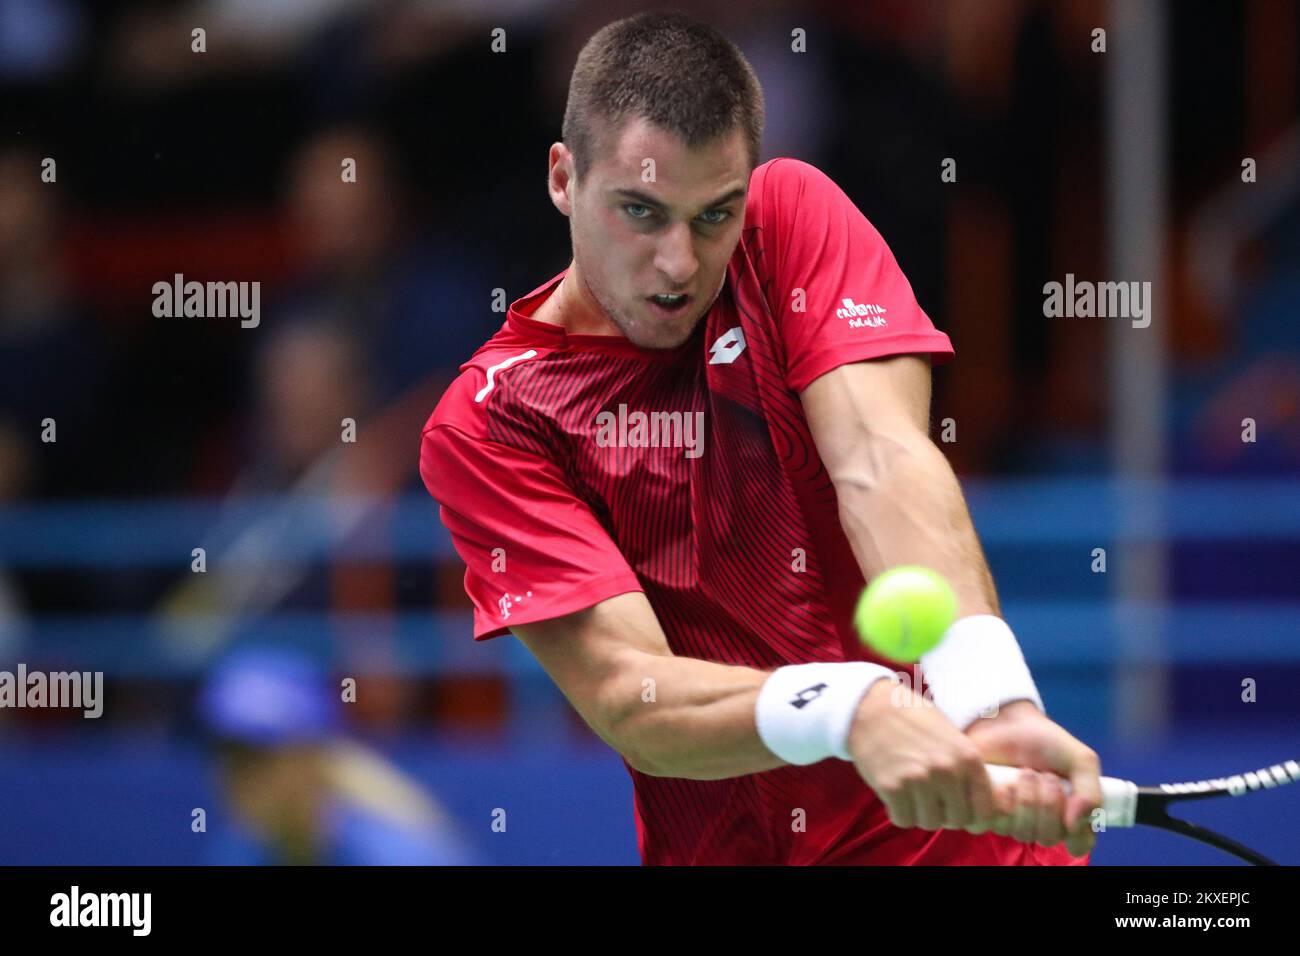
pixel 913 777
pixel 942 771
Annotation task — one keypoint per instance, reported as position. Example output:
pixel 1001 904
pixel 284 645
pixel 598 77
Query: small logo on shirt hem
pixel 505 602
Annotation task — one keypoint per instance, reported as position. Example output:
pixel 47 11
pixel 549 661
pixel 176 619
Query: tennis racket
pixel 1126 804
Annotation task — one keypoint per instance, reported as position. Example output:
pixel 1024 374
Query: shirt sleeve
pixel 837 292
pixel 532 549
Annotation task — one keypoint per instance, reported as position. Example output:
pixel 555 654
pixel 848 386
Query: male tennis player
pixel 672 469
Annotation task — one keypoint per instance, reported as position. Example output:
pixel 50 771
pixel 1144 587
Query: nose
pixel 675 254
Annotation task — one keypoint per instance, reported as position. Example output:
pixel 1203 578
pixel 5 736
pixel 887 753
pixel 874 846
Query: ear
pixel 561 178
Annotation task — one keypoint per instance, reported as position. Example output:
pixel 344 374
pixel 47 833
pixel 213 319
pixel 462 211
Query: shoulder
pixel 492 419
pixel 492 386
pixel 780 185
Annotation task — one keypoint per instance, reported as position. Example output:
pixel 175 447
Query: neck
pixel 573 309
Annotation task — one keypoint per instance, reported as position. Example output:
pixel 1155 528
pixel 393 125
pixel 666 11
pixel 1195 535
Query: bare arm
pixel 668 716
pixel 899 500
pixel 681 717
pixel 900 503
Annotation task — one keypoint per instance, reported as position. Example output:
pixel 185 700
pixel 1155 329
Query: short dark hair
pixel 667 68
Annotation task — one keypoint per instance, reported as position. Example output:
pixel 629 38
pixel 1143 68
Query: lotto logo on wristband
pixel 807 695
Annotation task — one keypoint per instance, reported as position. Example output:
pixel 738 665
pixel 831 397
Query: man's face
pixel 635 236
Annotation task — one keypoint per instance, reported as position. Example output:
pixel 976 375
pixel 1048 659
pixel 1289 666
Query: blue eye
pixel 643 213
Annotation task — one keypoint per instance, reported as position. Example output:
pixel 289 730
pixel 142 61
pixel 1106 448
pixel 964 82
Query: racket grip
pixel 1118 797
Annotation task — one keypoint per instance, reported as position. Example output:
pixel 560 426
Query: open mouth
pixel 668 304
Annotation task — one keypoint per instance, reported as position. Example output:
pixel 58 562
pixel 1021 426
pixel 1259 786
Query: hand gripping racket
pixel 1126 804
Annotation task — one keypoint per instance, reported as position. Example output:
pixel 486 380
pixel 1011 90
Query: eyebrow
pixel 648 200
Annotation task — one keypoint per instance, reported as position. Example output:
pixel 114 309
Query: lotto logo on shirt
pixel 862 316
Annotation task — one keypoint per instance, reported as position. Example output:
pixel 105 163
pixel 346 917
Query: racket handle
pixel 1118 797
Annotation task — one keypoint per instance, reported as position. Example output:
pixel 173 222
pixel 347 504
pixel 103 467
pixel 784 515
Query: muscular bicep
pixel 853 408
pixel 592 656
pixel 899 501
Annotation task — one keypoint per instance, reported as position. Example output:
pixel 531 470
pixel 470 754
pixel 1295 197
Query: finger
pixel 902 809
pixel 1005 799
pixel 929 812
pixel 1050 826
pixel 980 798
pixel 1082 837
pixel 1080 843
pixel 953 800
pixel 1085 785
pixel 1004 808
pixel 1024 820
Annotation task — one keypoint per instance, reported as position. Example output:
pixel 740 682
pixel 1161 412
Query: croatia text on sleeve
pixel 836 290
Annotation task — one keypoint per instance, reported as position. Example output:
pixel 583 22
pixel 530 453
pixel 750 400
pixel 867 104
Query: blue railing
pixel 1017 521
pixel 105 534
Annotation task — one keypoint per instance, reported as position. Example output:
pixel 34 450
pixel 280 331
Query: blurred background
pixel 1169 455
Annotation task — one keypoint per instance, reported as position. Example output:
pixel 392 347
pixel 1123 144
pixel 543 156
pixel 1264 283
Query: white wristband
pixel 804 711
pixel 977 668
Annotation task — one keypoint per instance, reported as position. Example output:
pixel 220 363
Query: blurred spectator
pixel 300 792
pixel 15 465
pixel 1241 415
pixel 52 361
pixel 372 327
pixel 418 304
pixel 309 378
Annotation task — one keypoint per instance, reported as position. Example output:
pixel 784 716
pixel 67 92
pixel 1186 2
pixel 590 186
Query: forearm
pixel 682 717
pixel 901 504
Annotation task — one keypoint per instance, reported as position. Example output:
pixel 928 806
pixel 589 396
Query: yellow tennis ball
pixel 904 612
